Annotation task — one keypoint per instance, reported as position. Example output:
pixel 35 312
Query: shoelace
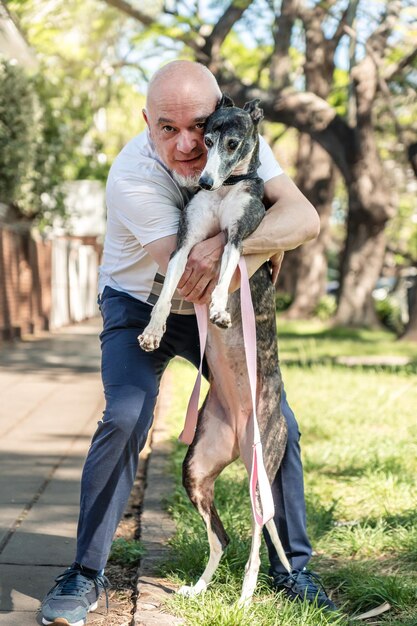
pixel 307 580
pixel 74 582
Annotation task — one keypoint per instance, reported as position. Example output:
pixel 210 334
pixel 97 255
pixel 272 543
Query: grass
pixel 305 341
pixel 126 552
pixel 359 443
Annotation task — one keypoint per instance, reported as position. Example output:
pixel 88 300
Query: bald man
pixel 150 182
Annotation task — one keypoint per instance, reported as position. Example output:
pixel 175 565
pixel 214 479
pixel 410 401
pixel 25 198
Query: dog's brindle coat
pixel 231 200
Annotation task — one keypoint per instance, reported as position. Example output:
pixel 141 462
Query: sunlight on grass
pixel 306 341
pixel 359 443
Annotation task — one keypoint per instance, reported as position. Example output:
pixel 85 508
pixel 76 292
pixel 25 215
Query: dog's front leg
pixel 150 338
pixel 230 261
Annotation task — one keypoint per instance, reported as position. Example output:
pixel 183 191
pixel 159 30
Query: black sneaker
pixel 75 594
pixel 304 585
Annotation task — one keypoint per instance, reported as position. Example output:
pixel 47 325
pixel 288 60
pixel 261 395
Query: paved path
pixel 50 402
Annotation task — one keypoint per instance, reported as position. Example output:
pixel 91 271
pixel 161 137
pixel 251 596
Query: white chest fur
pixel 210 211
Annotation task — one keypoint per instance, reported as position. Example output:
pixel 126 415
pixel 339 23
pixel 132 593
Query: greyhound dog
pixel 230 200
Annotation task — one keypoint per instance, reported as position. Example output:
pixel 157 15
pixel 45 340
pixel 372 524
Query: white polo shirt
pixel 144 204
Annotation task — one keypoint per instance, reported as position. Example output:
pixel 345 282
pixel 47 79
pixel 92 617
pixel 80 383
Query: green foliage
pixel 389 313
pixel 402 230
pixel 282 301
pixel 31 146
pixel 20 127
pixel 126 552
pixel 79 80
pixel 338 96
pixel 326 307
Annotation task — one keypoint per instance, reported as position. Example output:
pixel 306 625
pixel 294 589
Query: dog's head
pixel 231 138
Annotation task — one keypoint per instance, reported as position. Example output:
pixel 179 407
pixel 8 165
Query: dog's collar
pixel 233 180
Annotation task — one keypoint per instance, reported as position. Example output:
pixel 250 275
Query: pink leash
pixel 191 416
pixel 258 474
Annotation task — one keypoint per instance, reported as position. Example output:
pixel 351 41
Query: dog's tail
pixel 272 530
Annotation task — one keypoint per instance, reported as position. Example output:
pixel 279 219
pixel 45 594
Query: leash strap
pixel 258 476
pixel 191 416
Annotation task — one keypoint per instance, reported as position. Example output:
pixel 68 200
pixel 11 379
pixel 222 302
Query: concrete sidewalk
pixel 51 400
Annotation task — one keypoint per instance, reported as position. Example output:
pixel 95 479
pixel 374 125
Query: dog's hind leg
pixel 213 450
pixel 252 566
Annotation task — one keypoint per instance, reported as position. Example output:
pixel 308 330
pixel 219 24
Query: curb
pixel 157 527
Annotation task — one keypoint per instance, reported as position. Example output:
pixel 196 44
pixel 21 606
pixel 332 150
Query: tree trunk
pixel 304 272
pixel 361 265
pixel 370 207
pixel 410 332
pixel 305 269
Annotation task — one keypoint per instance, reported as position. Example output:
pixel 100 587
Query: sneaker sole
pixel 65 622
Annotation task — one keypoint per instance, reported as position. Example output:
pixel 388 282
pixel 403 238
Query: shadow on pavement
pixel 73 349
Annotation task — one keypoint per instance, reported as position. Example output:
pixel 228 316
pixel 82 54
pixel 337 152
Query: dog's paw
pixel 222 319
pixel 150 339
pixel 189 591
pixel 244 602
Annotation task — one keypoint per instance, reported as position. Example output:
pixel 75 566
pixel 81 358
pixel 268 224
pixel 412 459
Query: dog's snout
pixel 206 182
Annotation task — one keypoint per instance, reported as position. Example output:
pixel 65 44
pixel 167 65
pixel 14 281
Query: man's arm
pixel 161 249
pixel 290 221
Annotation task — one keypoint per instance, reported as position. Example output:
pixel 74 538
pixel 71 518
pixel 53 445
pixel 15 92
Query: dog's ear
pixel 226 101
pixel 254 111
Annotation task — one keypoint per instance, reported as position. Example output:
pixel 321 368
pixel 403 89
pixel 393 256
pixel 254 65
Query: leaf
pixel 382 608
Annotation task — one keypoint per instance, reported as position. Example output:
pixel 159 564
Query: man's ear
pixel 254 111
pixel 226 101
pixel 145 117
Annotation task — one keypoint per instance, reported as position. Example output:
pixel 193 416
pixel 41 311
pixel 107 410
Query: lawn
pixel 306 342
pixel 359 442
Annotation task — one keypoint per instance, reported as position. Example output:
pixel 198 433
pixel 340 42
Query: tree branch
pixel 131 11
pixel 211 47
pixel 412 157
pixel 319 62
pixel 280 63
pixel 346 18
pixel 378 40
pixel 382 81
pixel 393 71
pixel 146 20
pixel 308 113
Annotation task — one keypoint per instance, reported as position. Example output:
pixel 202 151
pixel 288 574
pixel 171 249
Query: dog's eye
pixel 208 142
pixel 232 144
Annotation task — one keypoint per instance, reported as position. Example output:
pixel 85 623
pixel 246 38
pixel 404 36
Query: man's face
pixel 175 117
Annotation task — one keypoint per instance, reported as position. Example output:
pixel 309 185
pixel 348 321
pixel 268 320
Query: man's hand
pixel 202 270
pixel 276 262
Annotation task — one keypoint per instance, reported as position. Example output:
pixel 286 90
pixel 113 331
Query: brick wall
pixel 33 287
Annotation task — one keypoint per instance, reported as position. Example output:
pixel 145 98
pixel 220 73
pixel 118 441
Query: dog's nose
pixel 206 182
